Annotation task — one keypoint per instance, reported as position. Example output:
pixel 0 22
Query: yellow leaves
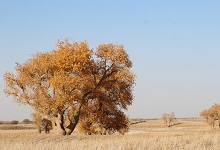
pixel 9 79
pixel 115 53
pixel 212 112
pixel 36 116
pixel 75 56
pixel 74 74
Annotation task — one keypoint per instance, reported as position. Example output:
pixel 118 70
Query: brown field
pixel 184 134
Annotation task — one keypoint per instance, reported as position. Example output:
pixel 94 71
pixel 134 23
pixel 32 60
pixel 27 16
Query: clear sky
pixel 174 46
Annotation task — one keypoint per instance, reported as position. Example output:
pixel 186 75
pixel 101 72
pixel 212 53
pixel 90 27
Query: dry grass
pixel 16 127
pixel 150 135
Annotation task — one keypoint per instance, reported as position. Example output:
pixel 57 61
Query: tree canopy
pixel 73 76
pixel 211 114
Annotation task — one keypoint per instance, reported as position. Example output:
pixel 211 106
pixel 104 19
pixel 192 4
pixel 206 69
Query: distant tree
pixel 26 121
pixel 212 114
pixel 14 122
pixel 71 77
pixel 210 117
pixel 216 111
pixel 168 118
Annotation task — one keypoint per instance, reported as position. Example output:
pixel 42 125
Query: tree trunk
pixel 70 128
pixel 59 120
pixel 168 122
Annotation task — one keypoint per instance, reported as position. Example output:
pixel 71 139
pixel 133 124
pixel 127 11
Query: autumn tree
pixel 61 82
pixel 212 114
pixel 210 117
pixel 216 111
pixel 168 118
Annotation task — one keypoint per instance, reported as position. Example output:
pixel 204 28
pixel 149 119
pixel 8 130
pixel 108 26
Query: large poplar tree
pixel 61 82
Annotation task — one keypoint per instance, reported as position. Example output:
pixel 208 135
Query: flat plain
pixel 144 134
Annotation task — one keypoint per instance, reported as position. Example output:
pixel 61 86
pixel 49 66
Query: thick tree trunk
pixel 74 121
pixel 70 128
pixel 59 120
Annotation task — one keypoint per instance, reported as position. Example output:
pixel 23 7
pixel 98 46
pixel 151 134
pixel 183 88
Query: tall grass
pixel 186 134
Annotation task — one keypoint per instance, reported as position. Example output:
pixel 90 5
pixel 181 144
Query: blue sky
pixel 174 46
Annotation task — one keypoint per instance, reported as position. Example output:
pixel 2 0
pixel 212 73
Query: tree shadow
pixel 137 122
pixel 175 124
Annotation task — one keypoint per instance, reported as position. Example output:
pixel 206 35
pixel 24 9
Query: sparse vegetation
pixel 149 135
pixel 168 118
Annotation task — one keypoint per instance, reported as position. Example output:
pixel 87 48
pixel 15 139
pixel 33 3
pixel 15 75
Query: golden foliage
pixel 100 120
pixel 212 114
pixel 71 76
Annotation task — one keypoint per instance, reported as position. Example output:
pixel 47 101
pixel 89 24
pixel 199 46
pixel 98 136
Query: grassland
pixel 190 134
